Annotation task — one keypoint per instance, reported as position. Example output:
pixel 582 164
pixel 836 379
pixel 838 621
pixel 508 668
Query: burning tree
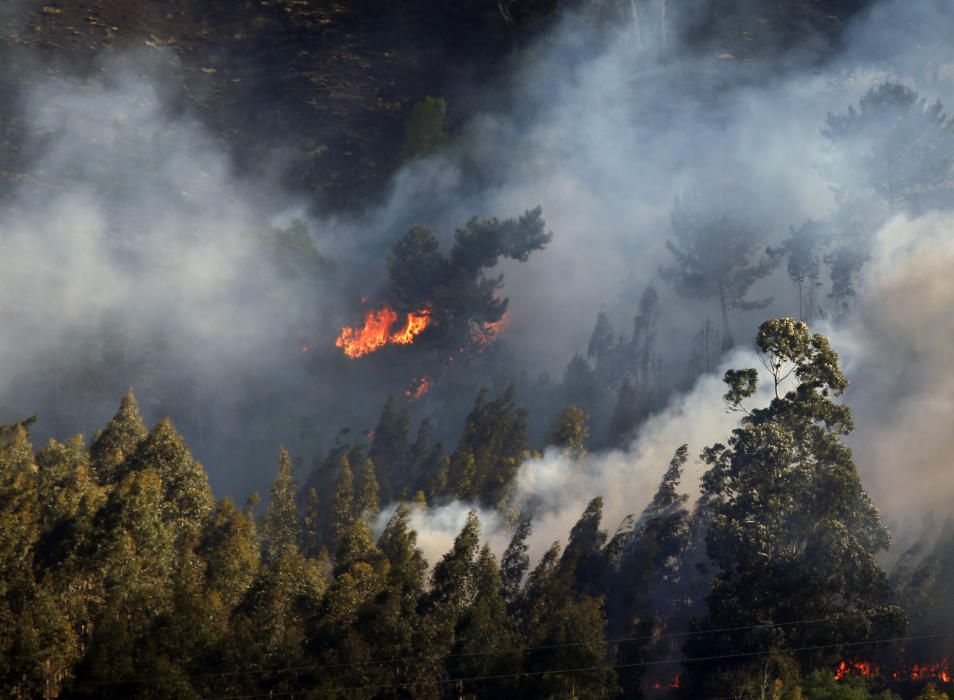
pixel 447 302
pixel 793 531
pixel 460 299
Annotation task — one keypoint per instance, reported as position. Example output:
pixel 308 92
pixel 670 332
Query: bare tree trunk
pixel 664 24
pixel 726 333
pixel 801 316
pixel 637 25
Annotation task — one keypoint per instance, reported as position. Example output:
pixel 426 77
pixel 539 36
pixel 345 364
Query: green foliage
pixel 282 527
pixel 389 446
pixel 123 578
pixel 230 549
pixel 187 499
pixel 342 507
pixel 515 562
pixel 493 447
pixel 461 299
pixel 570 431
pixel 424 132
pixel 931 692
pixel 793 532
pixel 118 442
pixel 821 685
pixel 368 503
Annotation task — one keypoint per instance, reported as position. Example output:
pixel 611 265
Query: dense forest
pixel 532 349
pixel 123 576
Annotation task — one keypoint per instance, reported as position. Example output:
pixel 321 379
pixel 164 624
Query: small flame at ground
pixel 418 388
pixel 376 331
pixel 490 331
pixel 858 668
pixel 673 682
pixel 939 671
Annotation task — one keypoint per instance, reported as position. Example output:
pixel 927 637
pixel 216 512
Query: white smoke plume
pixel 898 352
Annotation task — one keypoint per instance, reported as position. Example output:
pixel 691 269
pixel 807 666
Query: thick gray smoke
pixel 606 166
pixel 130 244
pixel 898 352
pixel 131 258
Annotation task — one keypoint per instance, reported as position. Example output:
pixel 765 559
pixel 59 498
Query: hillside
pixel 319 90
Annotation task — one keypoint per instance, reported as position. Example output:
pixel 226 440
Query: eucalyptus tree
pixel 793 532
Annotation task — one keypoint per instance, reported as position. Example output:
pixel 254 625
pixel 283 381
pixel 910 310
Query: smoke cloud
pixel 131 257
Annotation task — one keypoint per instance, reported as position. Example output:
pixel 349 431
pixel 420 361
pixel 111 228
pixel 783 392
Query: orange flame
pixel 418 388
pixel 674 682
pixel 858 668
pixel 489 331
pixel 939 671
pixel 376 332
pixel 415 324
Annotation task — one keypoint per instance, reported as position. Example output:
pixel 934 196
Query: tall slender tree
pixel 793 532
pixel 718 253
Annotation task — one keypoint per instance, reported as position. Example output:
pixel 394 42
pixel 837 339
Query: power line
pixel 643 664
pixel 490 652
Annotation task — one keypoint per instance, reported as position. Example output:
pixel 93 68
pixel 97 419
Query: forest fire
pixel 674 682
pixel 376 331
pixel 857 668
pixel 418 388
pixel 489 332
pixel 939 671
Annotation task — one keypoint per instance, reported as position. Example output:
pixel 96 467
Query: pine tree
pixel 69 500
pixel 563 630
pixel 19 535
pixel 604 349
pixel 425 460
pixel 486 644
pixel 342 507
pixel 453 581
pixel 626 415
pixel 583 562
pixel 515 563
pixel 311 530
pixel 389 448
pixel 188 501
pixel 460 297
pixel 493 447
pixel 642 346
pixel 368 502
pixel 230 550
pixel 570 431
pixel 282 528
pixel 118 442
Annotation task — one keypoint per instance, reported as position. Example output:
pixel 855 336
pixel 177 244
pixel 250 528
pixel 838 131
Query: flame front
pixel 939 671
pixel 376 331
pixel 414 325
pixel 859 668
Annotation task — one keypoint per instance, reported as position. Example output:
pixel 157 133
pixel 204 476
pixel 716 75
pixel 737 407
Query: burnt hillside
pixel 319 90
